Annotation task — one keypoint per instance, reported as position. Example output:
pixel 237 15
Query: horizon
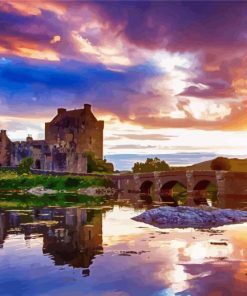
pixel 168 80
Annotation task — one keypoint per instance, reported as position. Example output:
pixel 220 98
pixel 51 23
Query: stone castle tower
pixel 77 129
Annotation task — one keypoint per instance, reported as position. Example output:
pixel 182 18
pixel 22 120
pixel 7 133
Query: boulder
pixel 40 190
pixel 183 217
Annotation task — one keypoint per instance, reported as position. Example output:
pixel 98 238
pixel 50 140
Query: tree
pixel 98 165
pixel 25 166
pixel 220 164
pixel 150 165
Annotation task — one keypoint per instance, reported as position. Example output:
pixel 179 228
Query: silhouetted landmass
pixel 236 165
pixel 218 163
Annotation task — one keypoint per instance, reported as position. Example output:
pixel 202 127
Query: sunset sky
pixel 167 77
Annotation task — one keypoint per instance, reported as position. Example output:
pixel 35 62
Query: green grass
pixel 9 180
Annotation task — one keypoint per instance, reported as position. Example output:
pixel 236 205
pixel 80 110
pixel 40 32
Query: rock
pixel 40 190
pixel 182 217
pixel 97 191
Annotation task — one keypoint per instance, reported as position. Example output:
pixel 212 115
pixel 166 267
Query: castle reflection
pixel 71 236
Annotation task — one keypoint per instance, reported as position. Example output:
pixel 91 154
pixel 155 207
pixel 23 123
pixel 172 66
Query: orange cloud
pixel 33 7
pixel 234 121
pixel 27 49
pixel 55 39
pixel 36 54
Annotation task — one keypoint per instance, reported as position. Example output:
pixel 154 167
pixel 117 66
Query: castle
pixel 68 136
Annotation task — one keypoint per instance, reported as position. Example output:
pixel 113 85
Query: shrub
pixel 25 166
pixel 98 165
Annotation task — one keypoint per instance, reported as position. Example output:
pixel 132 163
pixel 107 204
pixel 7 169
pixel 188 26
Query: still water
pixel 102 251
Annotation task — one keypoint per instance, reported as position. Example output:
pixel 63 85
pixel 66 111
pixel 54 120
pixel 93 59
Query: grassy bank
pixel 26 201
pixel 10 180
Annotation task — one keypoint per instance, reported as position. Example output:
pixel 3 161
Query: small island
pixel 184 217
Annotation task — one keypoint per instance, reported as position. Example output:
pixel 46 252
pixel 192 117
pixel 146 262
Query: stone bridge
pixel 158 186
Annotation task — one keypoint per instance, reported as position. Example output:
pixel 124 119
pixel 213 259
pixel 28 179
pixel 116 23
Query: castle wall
pixel 25 149
pixel 91 139
pixel 57 159
pixel 5 149
pixel 76 163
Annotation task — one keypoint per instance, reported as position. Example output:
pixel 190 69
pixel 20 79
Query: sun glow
pixel 174 67
pixel 168 62
pixel 208 110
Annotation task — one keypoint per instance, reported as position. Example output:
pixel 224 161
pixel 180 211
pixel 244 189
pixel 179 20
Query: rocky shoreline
pixel 186 217
pixel 90 191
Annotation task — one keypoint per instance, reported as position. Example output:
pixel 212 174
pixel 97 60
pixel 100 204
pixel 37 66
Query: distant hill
pixel 237 165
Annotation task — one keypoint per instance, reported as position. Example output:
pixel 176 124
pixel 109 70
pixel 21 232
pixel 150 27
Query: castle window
pixel 90 140
pixel 38 164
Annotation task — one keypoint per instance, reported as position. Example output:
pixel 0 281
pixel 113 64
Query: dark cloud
pixel 132 147
pixel 213 81
pixel 112 138
pixel 178 25
pixel 19 32
pixel 174 25
pixel 211 91
pixel 143 137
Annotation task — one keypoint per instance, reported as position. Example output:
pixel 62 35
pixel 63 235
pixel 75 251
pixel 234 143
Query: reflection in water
pixel 3 230
pixel 74 237
pixel 77 240
pixel 79 251
pixel 177 195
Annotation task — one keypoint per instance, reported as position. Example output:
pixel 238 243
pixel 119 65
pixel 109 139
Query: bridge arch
pixel 203 184
pixel 205 191
pixel 172 191
pixel 147 190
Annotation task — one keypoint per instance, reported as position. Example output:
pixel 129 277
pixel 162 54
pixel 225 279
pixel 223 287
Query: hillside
pixel 237 165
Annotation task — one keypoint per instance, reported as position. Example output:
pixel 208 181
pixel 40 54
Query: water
pixel 126 161
pixel 101 251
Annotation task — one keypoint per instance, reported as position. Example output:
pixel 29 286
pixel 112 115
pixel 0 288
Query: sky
pixel 167 77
